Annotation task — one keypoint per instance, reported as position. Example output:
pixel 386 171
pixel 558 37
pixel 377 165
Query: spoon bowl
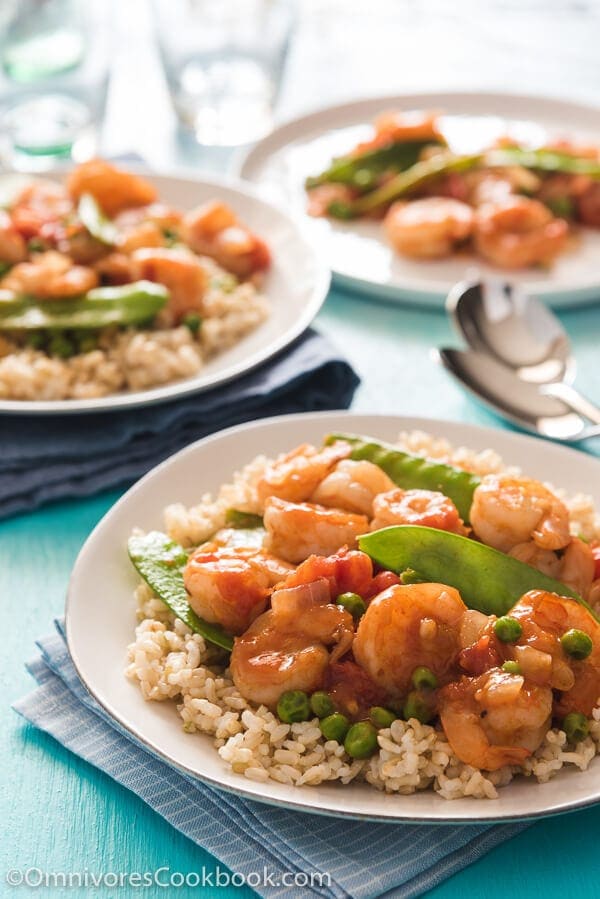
pixel 523 403
pixel 516 329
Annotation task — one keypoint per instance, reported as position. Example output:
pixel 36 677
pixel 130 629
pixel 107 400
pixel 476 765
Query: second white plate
pixel 357 251
pixel 296 286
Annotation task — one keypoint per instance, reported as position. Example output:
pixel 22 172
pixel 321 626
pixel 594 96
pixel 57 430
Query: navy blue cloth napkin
pixel 45 458
pixel 358 860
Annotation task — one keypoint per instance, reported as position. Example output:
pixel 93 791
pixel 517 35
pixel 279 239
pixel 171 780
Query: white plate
pixel 296 286
pixel 101 616
pixel 358 252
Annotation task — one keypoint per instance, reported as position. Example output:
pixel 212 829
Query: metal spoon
pixel 516 329
pixel 521 402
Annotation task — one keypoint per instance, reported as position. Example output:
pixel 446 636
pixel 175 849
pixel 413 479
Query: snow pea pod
pixel 487 579
pixel 161 561
pixel 544 160
pixel 403 184
pixel 360 169
pixel 94 220
pixel 128 304
pixel 235 518
pixel 413 472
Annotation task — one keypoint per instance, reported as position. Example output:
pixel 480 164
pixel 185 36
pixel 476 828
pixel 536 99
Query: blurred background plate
pixel 296 286
pixel 357 251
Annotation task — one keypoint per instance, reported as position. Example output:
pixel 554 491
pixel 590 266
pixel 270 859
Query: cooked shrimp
pixel 145 234
pixel 296 531
pixel 288 647
pixel 113 189
pixel 545 617
pixel 427 508
pixel 408 626
pixel 430 228
pixel 573 567
pixel 588 205
pixel 157 213
pixel 39 205
pixel 352 486
pixel 12 244
pixel 495 719
pixel 352 690
pixel 507 511
pixel 404 126
pixel 214 230
pixel 321 197
pixel 519 233
pixel 295 476
pixel 116 268
pixel 51 276
pixel 231 586
pixel 180 271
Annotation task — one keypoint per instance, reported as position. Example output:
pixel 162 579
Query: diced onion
pixel 535 665
pixel 471 627
pixel 299 599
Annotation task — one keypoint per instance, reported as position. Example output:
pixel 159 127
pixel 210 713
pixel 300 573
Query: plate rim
pixel 148 745
pixel 423 291
pixel 176 390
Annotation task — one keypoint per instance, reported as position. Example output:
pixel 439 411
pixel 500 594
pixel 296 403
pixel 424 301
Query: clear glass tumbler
pixel 223 61
pixel 53 79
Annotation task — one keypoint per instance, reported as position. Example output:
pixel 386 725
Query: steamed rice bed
pixel 169 662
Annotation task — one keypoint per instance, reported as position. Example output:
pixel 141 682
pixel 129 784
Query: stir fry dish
pixel 406 615
pixel 514 206
pixel 103 288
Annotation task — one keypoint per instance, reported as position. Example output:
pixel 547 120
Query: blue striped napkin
pixel 363 860
pixel 43 458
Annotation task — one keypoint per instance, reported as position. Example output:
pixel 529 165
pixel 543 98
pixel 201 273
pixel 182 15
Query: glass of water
pixel 53 79
pixel 223 61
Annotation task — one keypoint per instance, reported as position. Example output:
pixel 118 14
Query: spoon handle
pixel 588 433
pixel 573 399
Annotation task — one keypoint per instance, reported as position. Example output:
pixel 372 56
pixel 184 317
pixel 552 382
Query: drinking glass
pixel 223 61
pixel 53 79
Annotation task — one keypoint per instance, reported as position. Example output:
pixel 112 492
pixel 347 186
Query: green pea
pixel 322 704
pixel 364 178
pixel 381 717
pixel 61 346
pixel 171 236
pixel 410 576
pixel 576 727
pixel 36 340
pixel 563 207
pixel 511 667
pixel 353 603
pixel 192 321
pixel 424 679
pixel 416 707
pixel 361 740
pixel 293 706
pixel 334 727
pixel 576 644
pixel 507 629
pixel 86 343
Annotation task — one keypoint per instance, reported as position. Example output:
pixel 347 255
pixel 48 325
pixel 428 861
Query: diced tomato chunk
pixel 480 657
pixel 381 582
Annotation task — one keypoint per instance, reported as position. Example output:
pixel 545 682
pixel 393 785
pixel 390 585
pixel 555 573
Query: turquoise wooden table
pixel 59 814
